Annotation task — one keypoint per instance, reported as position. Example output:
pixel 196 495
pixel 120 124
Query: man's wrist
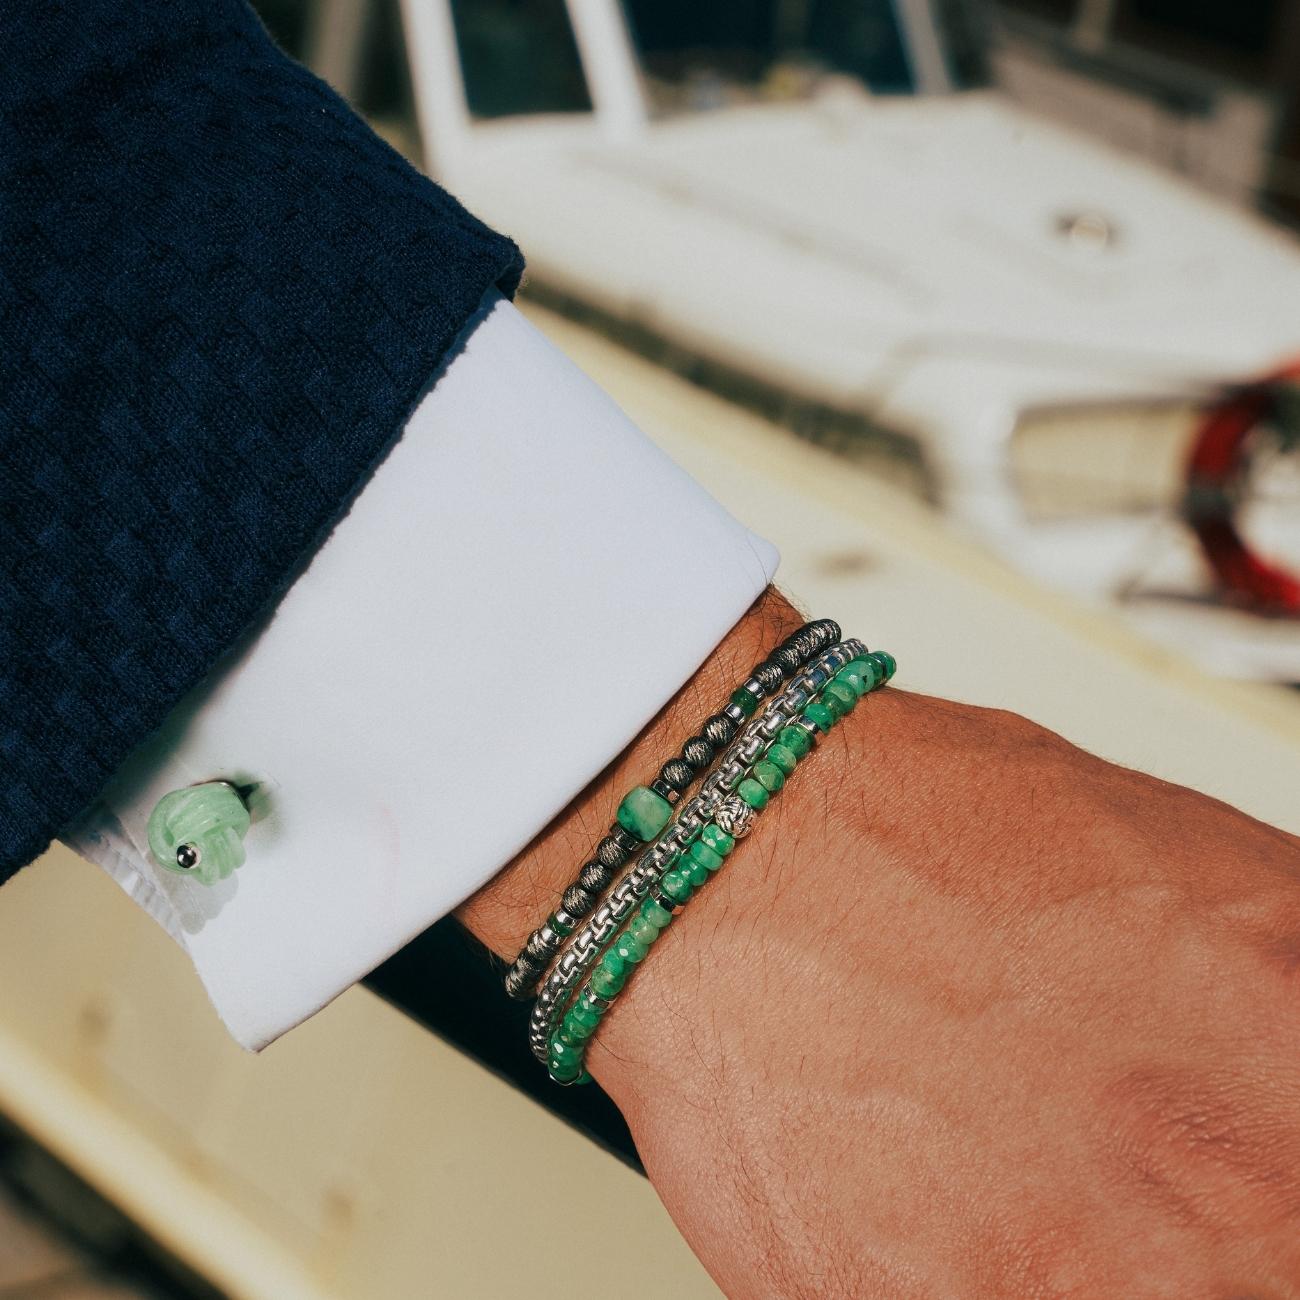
pixel 504 911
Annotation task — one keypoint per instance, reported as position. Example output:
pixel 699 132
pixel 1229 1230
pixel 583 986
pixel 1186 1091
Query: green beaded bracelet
pixel 587 944
pixel 646 811
pixel 631 943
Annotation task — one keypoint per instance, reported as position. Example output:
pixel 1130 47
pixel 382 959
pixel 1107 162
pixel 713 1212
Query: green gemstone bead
pixel 558 926
pixel 208 822
pixel 854 681
pixel 887 663
pixel 869 670
pixel 629 948
pixel 820 716
pixel 586 1003
pixel 755 795
pixel 644 813
pixel 717 839
pixel 563 1061
pixel 643 931
pixel 768 775
pixel 701 855
pixel 562 1035
pixel 583 1078
pixel 658 916
pixel 745 701
pixel 578 1031
pixel 696 873
pixel 676 885
pixel 865 667
pixel 782 758
pixel 605 982
pixel 584 1015
pixel 840 699
pixel 796 740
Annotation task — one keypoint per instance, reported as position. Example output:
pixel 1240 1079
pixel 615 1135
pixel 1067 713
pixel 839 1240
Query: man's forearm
pixel 971 1013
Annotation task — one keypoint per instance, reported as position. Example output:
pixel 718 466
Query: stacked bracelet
pixel 783 748
pixel 585 946
pixel 645 810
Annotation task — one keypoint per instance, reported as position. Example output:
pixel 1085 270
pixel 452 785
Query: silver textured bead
pixel 735 817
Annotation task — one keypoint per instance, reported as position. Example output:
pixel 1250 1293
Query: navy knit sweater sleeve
pixel 220 297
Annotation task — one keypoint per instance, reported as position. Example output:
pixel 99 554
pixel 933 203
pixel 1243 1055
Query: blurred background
pixel 988 313
pixel 1017 257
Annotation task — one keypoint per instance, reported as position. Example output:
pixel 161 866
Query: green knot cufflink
pixel 199 831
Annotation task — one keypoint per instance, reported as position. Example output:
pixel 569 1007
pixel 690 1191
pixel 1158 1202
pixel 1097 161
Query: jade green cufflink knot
pixel 199 831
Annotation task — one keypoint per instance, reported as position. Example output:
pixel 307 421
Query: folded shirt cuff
pixel 520 587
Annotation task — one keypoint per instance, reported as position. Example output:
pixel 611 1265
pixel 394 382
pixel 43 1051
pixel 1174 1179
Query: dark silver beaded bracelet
pixel 675 777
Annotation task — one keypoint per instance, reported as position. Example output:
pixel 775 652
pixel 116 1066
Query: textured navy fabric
pixel 220 297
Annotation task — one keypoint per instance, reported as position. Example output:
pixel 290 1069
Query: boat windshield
pixel 521 57
pixel 699 56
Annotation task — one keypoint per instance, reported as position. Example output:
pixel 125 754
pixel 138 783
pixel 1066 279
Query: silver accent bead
pixel 735 817
pixel 188 856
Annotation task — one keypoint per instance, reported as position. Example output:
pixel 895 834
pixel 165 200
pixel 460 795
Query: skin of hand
pixel 971 1013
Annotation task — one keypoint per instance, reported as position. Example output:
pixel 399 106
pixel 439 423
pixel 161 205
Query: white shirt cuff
pixel 520 587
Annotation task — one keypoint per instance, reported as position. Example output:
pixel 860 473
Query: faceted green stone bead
pixel 854 681
pixel 676 885
pixel 584 1077
pixel 888 664
pixel 796 740
pixel 820 716
pixel 629 948
pixel 658 916
pixel 565 1073
pixel 578 1031
pixel 745 701
pixel 781 757
pixel 605 982
pixel 644 813
pixel 768 775
pixel 717 839
pixel 612 961
pixel 645 932
pixel 558 926
pixel 563 1061
pixel 562 1035
pixel 840 698
pixel 701 855
pixel 871 673
pixel 755 795
pixel 583 1014
pixel 696 873
pixel 208 822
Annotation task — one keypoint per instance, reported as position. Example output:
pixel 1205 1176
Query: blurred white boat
pixel 1038 315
